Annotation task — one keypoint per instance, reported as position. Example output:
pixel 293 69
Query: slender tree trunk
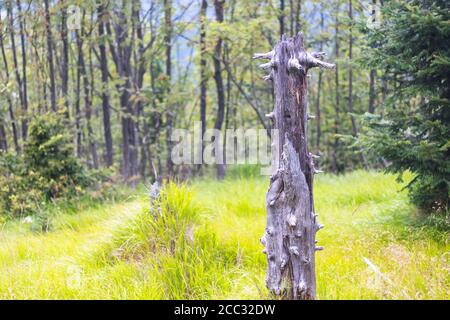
pixel 350 80
pixel 319 88
pixel 297 16
pixel 289 237
pixel 281 17
pixel 8 98
pixel 291 17
pixel 155 118
pixel 14 56
pixel 3 139
pixel 350 69
pixel 227 104
pixel 203 79
pixel 78 129
pixel 140 69
pixel 218 6
pixel 88 112
pixel 50 57
pixel 372 91
pixel 336 145
pixel 65 59
pixel 122 51
pixel 109 154
pixel 87 98
pixel 24 72
pixel 169 113
pixel 373 73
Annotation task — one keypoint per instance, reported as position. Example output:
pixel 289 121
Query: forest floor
pixel 207 246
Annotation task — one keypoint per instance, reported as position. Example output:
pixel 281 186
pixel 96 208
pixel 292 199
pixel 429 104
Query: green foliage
pixel 412 47
pixel 45 171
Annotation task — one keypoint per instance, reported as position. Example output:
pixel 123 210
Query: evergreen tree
pixel 412 48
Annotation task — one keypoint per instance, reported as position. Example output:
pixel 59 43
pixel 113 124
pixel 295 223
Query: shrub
pixel 46 170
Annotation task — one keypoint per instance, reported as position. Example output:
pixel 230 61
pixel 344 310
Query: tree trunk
pixel 3 140
pixel 289 237
pixel 87 97
pixel 50 57
pixel 319 88
pixel 203 79
pixel 109 154
pixel 65 59
pixel 297 16
pixel 218 6
pixel 77 92
pixel 169 113
pixel 8 98
pixel 24 72
pixel 336 145
pixel 122 51
pixel 281 17
pixel 373 72
pixel 14 56
pixel 350 69
pixel 372 91
pixel 291 17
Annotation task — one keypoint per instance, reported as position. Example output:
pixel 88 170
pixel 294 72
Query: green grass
pixel 204 243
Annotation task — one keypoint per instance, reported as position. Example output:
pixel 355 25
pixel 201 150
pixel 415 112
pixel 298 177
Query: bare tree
pixel 289 237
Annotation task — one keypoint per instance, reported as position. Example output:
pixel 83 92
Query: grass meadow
pixel 201 241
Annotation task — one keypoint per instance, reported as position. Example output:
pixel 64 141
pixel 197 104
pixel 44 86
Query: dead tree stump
pixel 289 237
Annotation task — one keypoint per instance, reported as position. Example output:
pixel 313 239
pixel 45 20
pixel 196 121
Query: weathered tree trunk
pixel 289 237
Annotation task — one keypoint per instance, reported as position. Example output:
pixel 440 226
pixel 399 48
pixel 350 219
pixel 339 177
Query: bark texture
pixel 289 237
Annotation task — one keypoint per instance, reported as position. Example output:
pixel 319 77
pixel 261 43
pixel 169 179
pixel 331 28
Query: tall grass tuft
pixel 186 257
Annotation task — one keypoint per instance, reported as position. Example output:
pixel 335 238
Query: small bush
pixel 45 171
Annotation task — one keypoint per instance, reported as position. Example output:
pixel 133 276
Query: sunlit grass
pixel 204 243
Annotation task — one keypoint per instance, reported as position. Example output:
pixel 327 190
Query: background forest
pixel 91 91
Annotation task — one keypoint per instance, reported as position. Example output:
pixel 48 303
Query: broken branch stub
pixel 289 237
